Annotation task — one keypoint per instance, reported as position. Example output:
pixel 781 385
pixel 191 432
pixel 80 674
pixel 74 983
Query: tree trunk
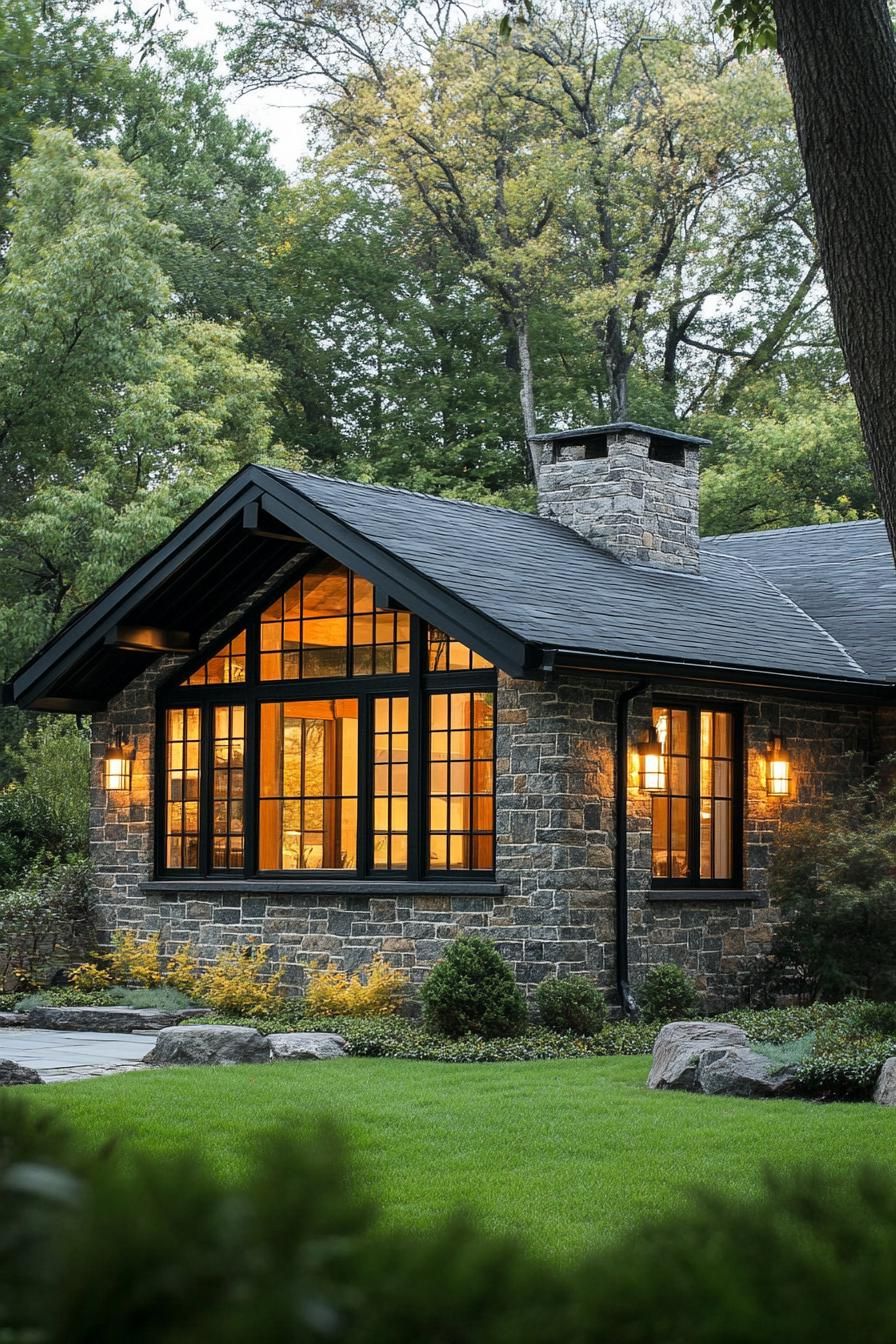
pixel 527 388
pixel 840 59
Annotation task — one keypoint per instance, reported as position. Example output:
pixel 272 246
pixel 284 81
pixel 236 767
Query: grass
pixel 565 1153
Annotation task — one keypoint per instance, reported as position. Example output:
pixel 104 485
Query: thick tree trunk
pixel 840 58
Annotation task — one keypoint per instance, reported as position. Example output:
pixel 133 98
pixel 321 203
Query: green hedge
pixel 295 1252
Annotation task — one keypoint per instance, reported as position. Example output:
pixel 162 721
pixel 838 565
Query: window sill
pixel 322 887
pixel 703 895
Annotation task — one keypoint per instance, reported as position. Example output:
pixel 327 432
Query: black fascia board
pixel 801 684
pixel 57 657
pixel 618 427
pixel 404 584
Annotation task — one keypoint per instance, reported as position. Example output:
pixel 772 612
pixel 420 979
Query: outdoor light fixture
pixel 117 764
pixel 652 762
pixel 777 768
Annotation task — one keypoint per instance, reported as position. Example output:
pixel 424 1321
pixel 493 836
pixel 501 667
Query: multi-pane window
pixel 445 654
pixel 391 782
pixel 308 790
pixel 226 666
pixel 382 764
pixel 461 785
pixel 182 778
pixel 694 813
pixel 228 775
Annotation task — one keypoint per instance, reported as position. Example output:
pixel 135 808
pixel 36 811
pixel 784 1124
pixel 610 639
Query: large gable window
pixel 697 813
pixel 330 736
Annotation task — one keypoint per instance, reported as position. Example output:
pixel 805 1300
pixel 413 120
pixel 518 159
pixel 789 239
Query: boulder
pixel 885 1091
pixel 306 1045
pixel 107 1019
pixel 13 1019
pixel 679 1046
pixel 741 1072
pixel 208 1045
pixel 14 1075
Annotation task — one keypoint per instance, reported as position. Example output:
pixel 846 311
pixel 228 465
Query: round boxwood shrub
pixel 472 989
pixel 667 994
pixel 574 1005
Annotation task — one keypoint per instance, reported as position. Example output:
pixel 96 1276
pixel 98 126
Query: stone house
pixel 344 718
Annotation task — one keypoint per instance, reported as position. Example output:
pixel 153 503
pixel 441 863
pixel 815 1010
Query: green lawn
pixel 567 1153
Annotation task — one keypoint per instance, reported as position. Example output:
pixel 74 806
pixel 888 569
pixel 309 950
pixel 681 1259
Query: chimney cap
pixel 618 427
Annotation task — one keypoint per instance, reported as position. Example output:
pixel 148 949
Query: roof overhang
pixel 212 563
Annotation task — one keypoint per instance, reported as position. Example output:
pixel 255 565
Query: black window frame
pixel 693 882
pixel 417 684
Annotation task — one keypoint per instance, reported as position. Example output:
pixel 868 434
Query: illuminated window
pixel 228 746
pixel 694 819
pixel 391 742
pixel 224 667
pixel 450 655
pixel 308 808
pixel 182 778
pixel 374 755
pixel 381 640
pixel 461 774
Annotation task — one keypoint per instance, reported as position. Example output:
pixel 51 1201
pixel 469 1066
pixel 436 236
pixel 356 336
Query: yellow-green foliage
pixel 89 977
pixel 132 961
pixel 182 969
pixel 334 993
pixel 235 983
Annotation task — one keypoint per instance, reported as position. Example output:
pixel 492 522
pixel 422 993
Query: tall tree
pixel 117 415
pixel 840 59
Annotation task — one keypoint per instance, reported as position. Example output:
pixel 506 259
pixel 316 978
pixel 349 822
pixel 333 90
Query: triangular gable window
pixel 224 667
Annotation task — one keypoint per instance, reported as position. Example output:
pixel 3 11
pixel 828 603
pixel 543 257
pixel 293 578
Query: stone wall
pixel 554 911
pixel 638 506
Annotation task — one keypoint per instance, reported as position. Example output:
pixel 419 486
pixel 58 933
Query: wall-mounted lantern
pixel 117 764
pixel 652 762
pixel 777 768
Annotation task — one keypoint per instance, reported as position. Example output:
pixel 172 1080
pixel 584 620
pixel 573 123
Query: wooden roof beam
pixel 150 639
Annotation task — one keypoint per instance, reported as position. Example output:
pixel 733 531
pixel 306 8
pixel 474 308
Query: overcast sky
pixel 276 110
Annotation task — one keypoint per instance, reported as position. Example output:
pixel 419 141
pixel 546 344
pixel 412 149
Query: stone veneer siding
pixel 555 841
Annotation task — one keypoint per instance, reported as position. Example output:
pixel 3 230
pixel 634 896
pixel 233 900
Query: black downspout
pixel 626 997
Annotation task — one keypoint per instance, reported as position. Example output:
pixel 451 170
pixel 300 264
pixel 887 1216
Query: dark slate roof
pixel 811 607
pixel 554 589
pixel 841 574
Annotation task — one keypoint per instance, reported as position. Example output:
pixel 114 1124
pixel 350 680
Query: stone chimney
pixel 627 488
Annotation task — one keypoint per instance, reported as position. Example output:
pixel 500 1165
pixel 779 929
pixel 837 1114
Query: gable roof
pixel 522 590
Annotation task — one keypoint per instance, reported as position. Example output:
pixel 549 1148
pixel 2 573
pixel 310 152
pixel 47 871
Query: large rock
pixel 13 1019
pixel 679 1047
pixel 306 1045
pixel 108 1019
pixel 885 1091
pixel 209 1045
pixel 14 1075
pixel 740 1072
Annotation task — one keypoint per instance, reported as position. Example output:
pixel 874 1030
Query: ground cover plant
pixel 565 1154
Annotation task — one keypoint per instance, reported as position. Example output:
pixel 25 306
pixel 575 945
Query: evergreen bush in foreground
pixel 574 1004
pixel 294 1254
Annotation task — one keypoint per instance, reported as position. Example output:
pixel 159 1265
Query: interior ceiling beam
pixel 150 639
pixel 252 523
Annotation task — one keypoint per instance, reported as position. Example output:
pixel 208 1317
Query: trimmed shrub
pixel 472 990
pixel 134 960
pixel 182 970
pixel 241 981
pixel 575 1005
pixel 374 991
pixel 834 877
pixel 668 994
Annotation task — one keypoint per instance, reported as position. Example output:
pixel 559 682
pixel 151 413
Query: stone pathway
pixel 66 1056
